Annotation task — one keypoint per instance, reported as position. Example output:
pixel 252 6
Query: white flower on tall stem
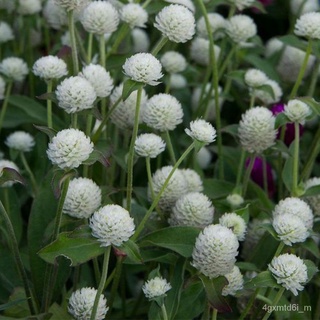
pixel 173 62
pixel 308 25
pixel 49 68
pixel 255 78
pixel 6 33
pixel 149 145
pixel 193 179
pixel 217 24
pixel 28 7
pixel 234 222
pixel 187 3
pixel 240 28
pixel 134 15
pixel 303 6
pixel 21 141
pixel 72 4
pixel 140 39
pixel 14 68
pixel 297 111
pixel 177 81
pixel 199 51
pixel 202 131
pixel 155 288
pixel 235 282
pixel 54 15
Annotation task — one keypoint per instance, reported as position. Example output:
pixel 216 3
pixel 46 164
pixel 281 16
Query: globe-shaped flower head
pixel 308 25
pixel 27 7
pixel 173 62
pixel 202 131
pixel 242 4
pixel 235 282
pixel 155 288
pixel 199 51
pixel 6 33
pixel 193 179
pixel 176 22
pixel 112 225
pixel 297 111
pixel 235 223
pixel 187 3
pixel 240 28
pixel 81 303
pixel 217 24
pixel 49 68
pixel 149 145
pixel 69 148
pixel 255 78
pixel 72 4
pixel 143 67
pixel 14 68
pixel 21 141
pixel 314 200
pixel 134 15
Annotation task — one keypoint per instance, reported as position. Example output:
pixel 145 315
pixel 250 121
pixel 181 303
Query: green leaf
pixel 216 189
pixel 281 119
pixel 263 280
pixel 9 174
pixel 258 5
pixel 293 41
pixel 267 88
pixel 129 86
pixel 311 246
pixel 213 288
pixel 11 304
pixel 48 131
pixel 59 313
pixel 311 269
pixel 244 213
pixel 313 104
pixel 238 76
pixel 131 249
pixel 48 96
pixel 97 155
pixel 312 191
pixel 287 173
pixel 58 179
pixel 179 239
pixel 231 129
pixel 156 255
pixel 269 228
pixel 77 250
pixel 247 266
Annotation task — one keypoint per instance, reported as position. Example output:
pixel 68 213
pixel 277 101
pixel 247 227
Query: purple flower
pixel 289 134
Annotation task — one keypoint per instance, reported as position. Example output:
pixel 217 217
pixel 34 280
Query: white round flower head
pixel 14 68
pixel 54 15
pixel 176 187
pixel 163 112
pixel 83 198
pixel 27 7
pixel 240 28
pixel 2 88
pixel 194 181
pixel 123 114
pixel 9 6
pixel 99 78
pixel 290 229
pixel 235 223
pixel 21 141
pixel 255 78
pixel 202 131
pixel 265 96
pixel 235 200
pixel 173 62
pixel 65 39
pixel 176 22
pixel 81 303
pixel 256 130
pixel 235 282
pixel 199 51
pixel 71 4
pixel 149 145
pixel 156 287
pixel 308 25
pixel 75 94
pixel 242 4
pixel 295 207
pixel 7 164
pixel 134 15
pixel 187 3
pixel 313 201
pixel 100 17
pixel 112 225
pixel 204 158
pixel 290 271
pixel 69 148
pixel 215 251
pixel 217 23
pixel 143 67
pixel 177 81
pixel 273 46
pixel 297 111
pixel 49 68
pixel 140 39
pixel 303 6
pixel 192 209
pixel 6 33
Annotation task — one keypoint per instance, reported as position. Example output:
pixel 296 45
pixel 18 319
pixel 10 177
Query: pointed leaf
pixel 237 76
pixel 58 179
pixel 97 155
pixel 287 173
pixel 269 228
pixel 312 191
pixel 268 89
pixel 132 250
pixel 9 174
pixel 294 41
pixel 311 246
pixel 258 5
pixel 129 86
pixel 11 304
pixel 281 119
pixel 244 212
pixel 48 96
pixel 216 189
pixel 311 268
pixel 48 131
pixel 263 280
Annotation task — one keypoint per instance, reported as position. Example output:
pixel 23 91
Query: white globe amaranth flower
pixel 112 225
pixel 149 145
pixel 2 88
pixel 7 164
pixel 202 131
pixel 272 46
pixel 235 200
pixel 163 112
pixel 140 39
pixel 14 68
pixel 49 68
pixel 83 198
pixel 156 287
pixel 9 6
pixel 313 201
pixel 187 3
pixel 143 67
pixel 176 187
pixel 235 223
pixel 81 303
pixel 75 94
pixel 54 15
pixel 72 4
pixel 240 28
pixel 173 62
pixel 65 39
pixel 28 7
pixel 200 53
pixel 295 207
pixel 215 251
pixel 297 111
pixel 177 81
pixel 303 6
pixel 69 148
pixel 256 130
pixel 290 271
pixel 290 229
pixel 217 24
pixel 204 158
pixel 192 209
pixel 308 25
pixel 6 33
pixel 21 141
pixel 255 78
pixel 99 78
pixel 265 96
pixel 176 22
pixel 134 15
pixel 124 113
pixel 242 4
pixel 235 282
pixel 193 179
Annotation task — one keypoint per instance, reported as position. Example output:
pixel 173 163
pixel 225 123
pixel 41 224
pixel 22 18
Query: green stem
pixel 314 78
pixel 102 50
pixel 274 303
pixel 49 105
pixel 131 149
pixel 74 120
pixel 159 45
pixel 302 70
pixel 164 312
pixel 240 168
pixel 227 60
pixel 295 172
pixel 279 249
pixel 16 254
pixel 5 103
pixel 157 198
pixel 102 282
pixel 249 304
pixel 214 314
pixel 168 84
pixel 89 54
pixel 119 37
pixel 247 175
pixel 265 175
pixel 252 99
pixel 170 147
pixel 73 42
pixel 32 178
